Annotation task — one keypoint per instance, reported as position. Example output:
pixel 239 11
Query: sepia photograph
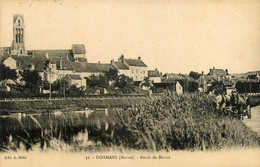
pixel 129 83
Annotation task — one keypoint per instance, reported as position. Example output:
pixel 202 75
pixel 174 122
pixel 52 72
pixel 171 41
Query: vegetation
pixel 180 122
pixel 124 84
pixel 218 87
pixel 33 81
pixel 7 73
pixel 194 75
pixel 248 87
pixel 171 122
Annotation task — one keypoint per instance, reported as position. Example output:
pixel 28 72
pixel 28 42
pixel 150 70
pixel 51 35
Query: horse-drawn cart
pixel 233 105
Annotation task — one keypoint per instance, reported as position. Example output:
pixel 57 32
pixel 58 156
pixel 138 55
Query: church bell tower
pixel 18 46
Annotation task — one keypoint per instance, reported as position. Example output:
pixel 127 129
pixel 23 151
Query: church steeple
pixel 18 46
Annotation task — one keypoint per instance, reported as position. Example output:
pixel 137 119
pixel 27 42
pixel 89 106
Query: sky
pixel 172 36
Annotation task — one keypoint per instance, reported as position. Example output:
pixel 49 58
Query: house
pixel 75 80
pixel 134 68
pixel 121 67
pixel 219 73
pixel 154 76
pixel 172 86
pixel 9 62
pixel 84 69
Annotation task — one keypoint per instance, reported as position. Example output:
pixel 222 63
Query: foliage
pixel 112 74
pixel 97 81
pixel 59 84
pixel 193 86
pixel 124 83
pixel 179 122
pixel 248 87
pixel 33 80
pixel 7 73
pixel 75 92
pixel 194 75
pixel 218 87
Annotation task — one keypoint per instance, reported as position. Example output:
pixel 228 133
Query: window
pixel 21 52
pixel 132 70
pixel 144 71
pixel 19 23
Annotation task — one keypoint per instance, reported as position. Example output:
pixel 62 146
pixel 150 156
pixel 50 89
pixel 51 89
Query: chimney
pixel 213 68
pixel 112 61
pixel 61 65
pixel 122 58
pixel 139 58
pixel 226 71
pixel 156 69
pixel 202 73
pixel 210 71
pixel 98 62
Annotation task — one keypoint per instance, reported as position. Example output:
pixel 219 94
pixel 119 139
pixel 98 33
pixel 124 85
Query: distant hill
pixel 244 75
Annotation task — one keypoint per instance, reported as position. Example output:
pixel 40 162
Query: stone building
pixel 134 68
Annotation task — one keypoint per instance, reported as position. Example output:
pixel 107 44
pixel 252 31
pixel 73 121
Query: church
pixel 71 62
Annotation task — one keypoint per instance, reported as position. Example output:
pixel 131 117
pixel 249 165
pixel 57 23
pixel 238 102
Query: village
pixel 68 72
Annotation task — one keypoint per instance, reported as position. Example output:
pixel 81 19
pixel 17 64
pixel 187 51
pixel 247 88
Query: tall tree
pixel 33 80
pixel 7 73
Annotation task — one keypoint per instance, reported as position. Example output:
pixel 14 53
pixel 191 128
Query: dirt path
pixel 254 122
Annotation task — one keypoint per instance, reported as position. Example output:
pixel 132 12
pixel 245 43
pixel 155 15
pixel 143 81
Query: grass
pixel 186 122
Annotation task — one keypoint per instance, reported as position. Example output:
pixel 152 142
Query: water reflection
pixel 56 130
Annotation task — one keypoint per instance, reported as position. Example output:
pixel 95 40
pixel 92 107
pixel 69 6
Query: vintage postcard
pixel 129 83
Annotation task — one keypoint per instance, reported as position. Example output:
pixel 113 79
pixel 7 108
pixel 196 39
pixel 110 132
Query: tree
pixel 112 74
pixel 194 75
pixel 193 86
pixel 98 81
pixel 59 84
pixel 33 80
pixel 218 87
pixel 7 73
pixel 124 83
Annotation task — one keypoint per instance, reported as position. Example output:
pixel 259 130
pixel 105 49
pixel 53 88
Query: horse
pixel 242 104
pixel 221 101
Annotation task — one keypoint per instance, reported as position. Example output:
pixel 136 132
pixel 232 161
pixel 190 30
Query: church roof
pixel 66 64
pixel 78 49
pixel 61 53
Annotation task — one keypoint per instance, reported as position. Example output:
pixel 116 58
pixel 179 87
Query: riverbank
pixel 68 104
